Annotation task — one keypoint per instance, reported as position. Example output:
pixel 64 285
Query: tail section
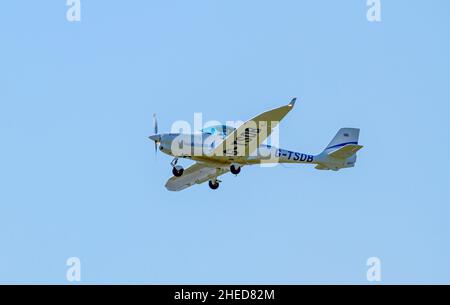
pixel 343 137
pixel 341 152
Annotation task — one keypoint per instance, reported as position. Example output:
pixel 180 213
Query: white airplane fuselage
pixel 220 149
pixel 199 147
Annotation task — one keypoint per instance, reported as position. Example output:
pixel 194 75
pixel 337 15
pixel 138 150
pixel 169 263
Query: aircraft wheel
pixel 177 171
pixel 213 185
pixel 235 169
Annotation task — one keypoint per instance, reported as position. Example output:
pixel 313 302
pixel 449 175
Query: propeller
pixel 155 124
pixel 155 137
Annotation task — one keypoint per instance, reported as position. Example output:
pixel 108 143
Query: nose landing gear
pixel 177 170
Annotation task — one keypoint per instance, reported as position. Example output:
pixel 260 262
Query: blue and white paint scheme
pixel 221 149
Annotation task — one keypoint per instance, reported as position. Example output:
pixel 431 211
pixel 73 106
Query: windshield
pixel 218 129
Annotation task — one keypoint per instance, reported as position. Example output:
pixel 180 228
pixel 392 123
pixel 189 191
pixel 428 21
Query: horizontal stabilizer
pixel 345 152
pixel 321 167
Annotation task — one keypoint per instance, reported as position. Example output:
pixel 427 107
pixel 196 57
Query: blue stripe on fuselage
pixel 343 144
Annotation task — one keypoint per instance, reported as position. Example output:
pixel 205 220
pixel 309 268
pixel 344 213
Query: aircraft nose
pixel 156 138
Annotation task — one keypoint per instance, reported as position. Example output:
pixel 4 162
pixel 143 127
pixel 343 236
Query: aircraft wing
pixel 249 136
pixel 194 174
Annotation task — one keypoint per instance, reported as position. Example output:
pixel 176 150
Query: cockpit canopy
pixel 222 130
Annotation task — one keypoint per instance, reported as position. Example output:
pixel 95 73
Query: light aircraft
pixel 221 149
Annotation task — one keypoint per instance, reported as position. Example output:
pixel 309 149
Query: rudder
pixel 343 137
pixel 341 152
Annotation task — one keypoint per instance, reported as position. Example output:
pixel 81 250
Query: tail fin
pixel 341 152
pixel 343 137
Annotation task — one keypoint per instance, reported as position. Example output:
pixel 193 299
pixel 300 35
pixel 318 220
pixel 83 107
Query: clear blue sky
pixel 78 176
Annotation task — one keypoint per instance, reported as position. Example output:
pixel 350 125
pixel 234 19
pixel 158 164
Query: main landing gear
pixel 177 170
pixel 213 184
pixel 235 169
